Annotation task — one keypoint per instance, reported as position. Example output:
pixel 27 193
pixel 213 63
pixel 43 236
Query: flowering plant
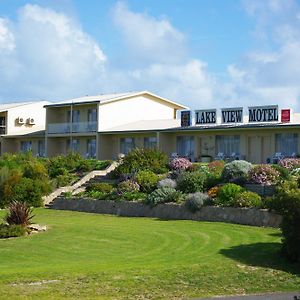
pixel 127 186
pixel 213 192
pixel 264 174
pixel 289 163
pixel 216 167
pixel 180 164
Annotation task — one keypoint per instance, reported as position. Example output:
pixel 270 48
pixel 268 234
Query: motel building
pixel 106 126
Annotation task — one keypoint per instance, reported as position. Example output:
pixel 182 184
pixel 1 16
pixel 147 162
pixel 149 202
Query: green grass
pixel 94 256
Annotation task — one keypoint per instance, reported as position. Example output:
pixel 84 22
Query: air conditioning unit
pixel 20 120
pixel 30 121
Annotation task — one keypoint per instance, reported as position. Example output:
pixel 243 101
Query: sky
pixel 201 53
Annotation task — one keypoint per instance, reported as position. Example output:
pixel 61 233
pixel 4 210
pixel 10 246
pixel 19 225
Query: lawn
pixel 99 256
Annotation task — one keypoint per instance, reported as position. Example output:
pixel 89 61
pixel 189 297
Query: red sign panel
pixel 285 115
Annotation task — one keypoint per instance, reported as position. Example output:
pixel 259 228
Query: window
pixel 126 145
pixel 92 119
pixel 2 125
pixel 92 115
pixel 26 146
pixel 91 148
pixel 150 142
pixel 75 116
pixel 286 143
pixel 228 144
pixel 74 146
pixel 75 119
pixel 185 146
pixel 41 148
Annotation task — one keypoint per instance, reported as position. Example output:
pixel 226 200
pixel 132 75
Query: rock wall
pixel 245 216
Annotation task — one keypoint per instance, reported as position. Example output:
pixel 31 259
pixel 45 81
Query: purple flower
pixel 180 164
pixel 264 174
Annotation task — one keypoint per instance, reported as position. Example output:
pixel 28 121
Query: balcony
pixel 78 127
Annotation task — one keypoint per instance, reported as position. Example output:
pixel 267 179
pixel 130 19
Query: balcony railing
pixel 78 127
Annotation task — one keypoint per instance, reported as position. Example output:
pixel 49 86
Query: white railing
pixel 77 127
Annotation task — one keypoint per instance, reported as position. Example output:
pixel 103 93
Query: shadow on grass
pixel 277 234
pixel 266 255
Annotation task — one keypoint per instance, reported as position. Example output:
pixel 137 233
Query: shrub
pixel 191 182
pixel 195 201
pixel 35 170
pixel 147 181
pixel 143 159
pixel 213 192
pixel 289 163
pixel 284 173
pixel 264 174
pixel 287 203
pixel 180 164
pixel 228 193
pixel 19 214
pixel 236 171
pixel 212 180
pixel 30 191
pixel 7 231
pixel 102 187
pixel 164 195
pixel 295 172
pixel 133 196
pixel 128 186
pixel 65 180
pixel 216 167
pixel 99 195
pixel 167 182
pixel 247 199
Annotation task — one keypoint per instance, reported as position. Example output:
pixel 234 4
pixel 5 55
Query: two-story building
pixel 106 125
pixel 22 127
pixel 78 124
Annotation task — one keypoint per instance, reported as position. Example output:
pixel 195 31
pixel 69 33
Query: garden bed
pixel 171 211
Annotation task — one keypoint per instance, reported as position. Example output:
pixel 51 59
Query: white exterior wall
pixel 133 109
pixel 35 111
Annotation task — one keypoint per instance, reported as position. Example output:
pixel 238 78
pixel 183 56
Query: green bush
pixel 247 199
pixel 284 173
pixel 7 231
pixel 35 170
pixel 195 201
pixel 65 180
pixel 164 195
pixel 98 195
pixel 30 191
pixel 287 203
pixel 236 171
pixel 128 186
pixel 147 180
pixel 191 182
pixel 7 188
pixel 102 187
pixel 143 159
pixel 133 196
pixel 228 193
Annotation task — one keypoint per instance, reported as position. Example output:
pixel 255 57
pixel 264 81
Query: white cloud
pixel 270 76
pixel 162 63
pixel 147 38
pixel 48 56
pixel 7 41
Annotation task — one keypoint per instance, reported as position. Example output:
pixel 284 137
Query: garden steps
pixel 80 185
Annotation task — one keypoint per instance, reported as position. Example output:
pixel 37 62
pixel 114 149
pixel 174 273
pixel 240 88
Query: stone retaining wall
pixel 245 216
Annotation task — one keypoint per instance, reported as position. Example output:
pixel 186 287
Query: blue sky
pixel 200 52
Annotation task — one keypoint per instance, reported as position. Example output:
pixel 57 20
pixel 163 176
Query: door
pixel 254 149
